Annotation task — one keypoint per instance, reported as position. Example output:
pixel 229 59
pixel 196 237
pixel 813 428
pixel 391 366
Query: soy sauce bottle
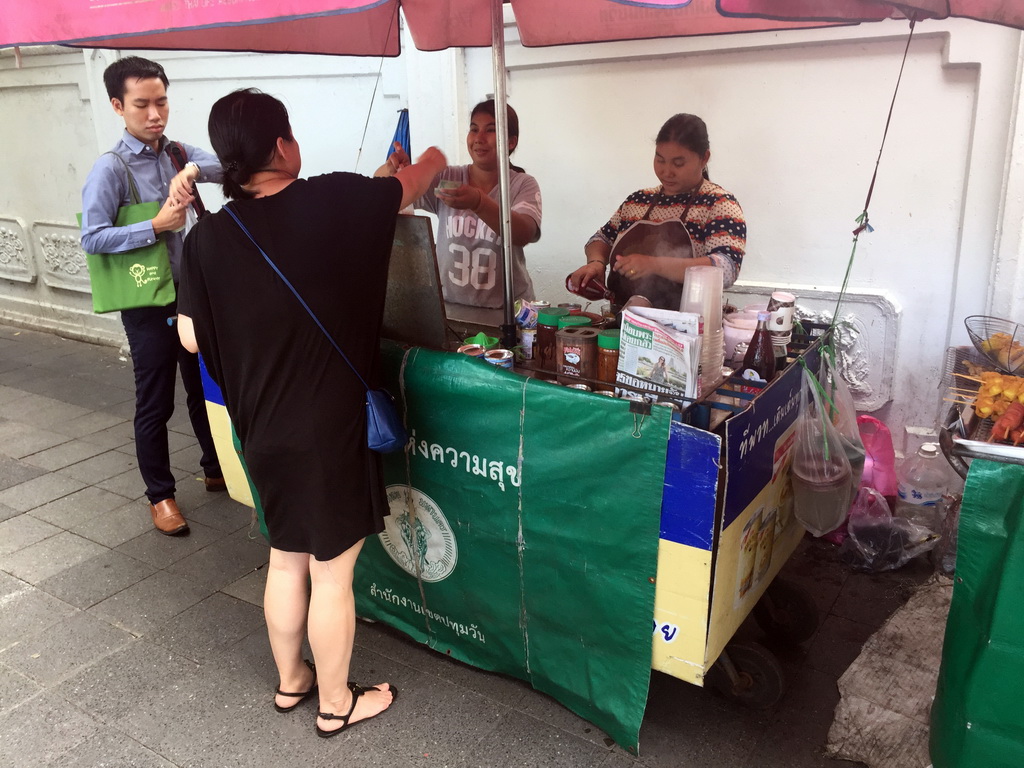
pixel 781 358
pixel 759 362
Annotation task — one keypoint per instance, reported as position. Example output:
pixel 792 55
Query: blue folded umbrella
pixel 401 134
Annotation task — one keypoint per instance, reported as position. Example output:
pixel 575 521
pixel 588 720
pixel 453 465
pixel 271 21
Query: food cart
pixel 720 504
pixel 573 540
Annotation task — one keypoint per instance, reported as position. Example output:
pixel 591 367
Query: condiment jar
pixel 567 320
pixel 607 360
pixel 547 325
pixel 527 342
pixel 575 352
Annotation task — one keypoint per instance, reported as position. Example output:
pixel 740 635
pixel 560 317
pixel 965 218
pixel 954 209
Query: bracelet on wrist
pixel 598 261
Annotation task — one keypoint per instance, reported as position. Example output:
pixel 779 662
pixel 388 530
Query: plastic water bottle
pixel 922 481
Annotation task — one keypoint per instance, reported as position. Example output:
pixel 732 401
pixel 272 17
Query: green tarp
pixel 978 713
pixel 528 542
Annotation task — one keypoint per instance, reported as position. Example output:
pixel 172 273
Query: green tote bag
pixel 137 278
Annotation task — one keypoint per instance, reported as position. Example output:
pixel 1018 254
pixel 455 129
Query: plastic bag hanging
pixel 822 478
pixel 843 413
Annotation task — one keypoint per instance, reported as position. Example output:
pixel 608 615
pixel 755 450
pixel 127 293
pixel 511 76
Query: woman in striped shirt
pixel 652 262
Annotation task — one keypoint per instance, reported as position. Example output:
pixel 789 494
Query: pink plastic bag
pixel 879 465
pixel 880 458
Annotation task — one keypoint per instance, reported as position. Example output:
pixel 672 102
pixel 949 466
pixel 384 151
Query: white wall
pixel 795 119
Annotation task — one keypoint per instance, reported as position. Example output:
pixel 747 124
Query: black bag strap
pixel 179 159
pixel 297 296
pixel 133 191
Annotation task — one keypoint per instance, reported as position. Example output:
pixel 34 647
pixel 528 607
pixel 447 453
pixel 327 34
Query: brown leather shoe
pixel 215 484
pixel 167 517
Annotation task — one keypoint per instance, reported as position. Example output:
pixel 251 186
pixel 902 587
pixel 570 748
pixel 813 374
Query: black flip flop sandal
pixel 301 696
pixel 357 691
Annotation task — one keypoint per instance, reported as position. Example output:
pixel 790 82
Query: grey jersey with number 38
pixel 469 252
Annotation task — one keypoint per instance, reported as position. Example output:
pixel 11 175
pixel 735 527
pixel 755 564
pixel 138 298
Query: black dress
pixel 297 407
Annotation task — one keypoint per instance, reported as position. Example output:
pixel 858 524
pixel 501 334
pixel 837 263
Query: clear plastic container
pixel 923 479
pixel 702 295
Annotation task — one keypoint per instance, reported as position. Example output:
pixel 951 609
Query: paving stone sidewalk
pixel 123 647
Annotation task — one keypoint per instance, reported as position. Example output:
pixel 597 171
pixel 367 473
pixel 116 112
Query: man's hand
pixel 171 216
pixel 180 188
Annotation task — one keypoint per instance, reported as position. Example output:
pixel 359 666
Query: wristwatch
pixel 196 166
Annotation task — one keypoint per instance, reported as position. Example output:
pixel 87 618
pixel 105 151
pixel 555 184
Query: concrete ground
pixel 123 647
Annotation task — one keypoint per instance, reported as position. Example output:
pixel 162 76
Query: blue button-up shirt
pixel 106 189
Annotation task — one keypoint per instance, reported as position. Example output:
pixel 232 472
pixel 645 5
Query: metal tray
pixel 964 437
pixel 964 434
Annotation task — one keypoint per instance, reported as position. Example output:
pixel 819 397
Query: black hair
pixel 244 128
pixel 117 74
pixel 487 108
pixel 687 131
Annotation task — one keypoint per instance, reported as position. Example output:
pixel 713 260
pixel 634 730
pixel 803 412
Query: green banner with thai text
pixel 523 534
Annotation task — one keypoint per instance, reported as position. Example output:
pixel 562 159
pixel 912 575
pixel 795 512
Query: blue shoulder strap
pixel 297 296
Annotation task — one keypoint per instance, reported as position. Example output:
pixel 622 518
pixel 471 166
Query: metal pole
pixel 508 328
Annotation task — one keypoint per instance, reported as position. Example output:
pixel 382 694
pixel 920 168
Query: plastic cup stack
pixel 702 294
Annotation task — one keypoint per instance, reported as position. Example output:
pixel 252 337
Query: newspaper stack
pixel 659 352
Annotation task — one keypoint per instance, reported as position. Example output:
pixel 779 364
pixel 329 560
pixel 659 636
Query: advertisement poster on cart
pixel 759 531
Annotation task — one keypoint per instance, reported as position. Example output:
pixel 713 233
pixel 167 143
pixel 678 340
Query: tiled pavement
pixel 122 647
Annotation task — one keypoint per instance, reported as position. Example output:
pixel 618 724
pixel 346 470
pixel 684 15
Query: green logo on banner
pixel 417 535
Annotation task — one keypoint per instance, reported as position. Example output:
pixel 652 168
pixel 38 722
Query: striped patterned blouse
pixel 715 222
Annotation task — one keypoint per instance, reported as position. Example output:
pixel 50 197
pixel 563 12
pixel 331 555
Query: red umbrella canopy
pixel 557 22
pixel 370 27
pixel 1007 12
pixel 356 27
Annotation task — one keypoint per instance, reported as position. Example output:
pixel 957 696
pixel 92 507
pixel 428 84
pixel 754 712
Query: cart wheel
pixel 787 612
pixel 748 673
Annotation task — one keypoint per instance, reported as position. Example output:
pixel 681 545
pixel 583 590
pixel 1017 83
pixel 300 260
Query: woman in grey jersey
pixel 466 201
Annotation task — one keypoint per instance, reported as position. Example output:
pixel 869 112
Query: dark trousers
pixel 157 355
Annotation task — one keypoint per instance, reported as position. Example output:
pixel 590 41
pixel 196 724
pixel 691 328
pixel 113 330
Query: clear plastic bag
pixel 878 541
pixel 843 413
pixel 821 474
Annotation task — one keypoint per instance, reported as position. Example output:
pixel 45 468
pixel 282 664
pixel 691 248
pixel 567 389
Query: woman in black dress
pixel 296 405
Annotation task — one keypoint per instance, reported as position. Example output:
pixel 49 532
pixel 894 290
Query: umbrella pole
pixel 508 328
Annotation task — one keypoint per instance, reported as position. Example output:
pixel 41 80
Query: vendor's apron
pixel 653 238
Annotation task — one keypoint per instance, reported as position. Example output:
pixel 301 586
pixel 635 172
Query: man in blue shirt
pixel 137 89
